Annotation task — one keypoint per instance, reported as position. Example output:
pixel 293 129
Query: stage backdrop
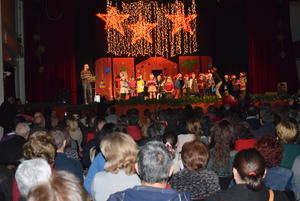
pixel 197 64
pixel 104 82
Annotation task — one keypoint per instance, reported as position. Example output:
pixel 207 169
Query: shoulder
pixel 119 196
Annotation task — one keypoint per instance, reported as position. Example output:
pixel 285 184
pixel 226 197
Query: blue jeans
pixel 87 91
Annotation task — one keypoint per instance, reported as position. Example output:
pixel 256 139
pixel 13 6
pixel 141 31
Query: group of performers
pixel 202 84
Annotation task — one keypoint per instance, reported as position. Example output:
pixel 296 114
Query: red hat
pixel 186 75
pixel 242 74
pixel 232 76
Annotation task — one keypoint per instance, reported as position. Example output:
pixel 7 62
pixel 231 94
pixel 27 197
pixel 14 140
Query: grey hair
pixel 31 173
pixel 154 162
pixel 22 129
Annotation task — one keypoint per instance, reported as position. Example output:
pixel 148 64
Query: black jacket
pixel 11 151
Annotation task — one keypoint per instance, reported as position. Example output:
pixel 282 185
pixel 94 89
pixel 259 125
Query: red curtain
pixel 50 49
pixel 270 49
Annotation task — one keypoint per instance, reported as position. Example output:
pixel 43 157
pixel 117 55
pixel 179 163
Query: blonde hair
pixel 72 125
pixel 40 145
pixel 286 131
pixel 120 152
pixel 193 126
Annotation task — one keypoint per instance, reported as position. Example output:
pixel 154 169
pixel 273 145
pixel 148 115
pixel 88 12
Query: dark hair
pixel 222 141
pixel 252 111
pixel 97 121
pixel 267 116
pixel 154 162
pixel 250 165
pixel 170 137
pixel 133 120
pixel 194 155
pixel 155 130
pixel 59 137
pixel 241 130
pixel 112 110
pixel 270 148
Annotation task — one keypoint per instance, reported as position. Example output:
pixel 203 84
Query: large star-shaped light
pixel 114 19
pixel 141 30
pixel 181 21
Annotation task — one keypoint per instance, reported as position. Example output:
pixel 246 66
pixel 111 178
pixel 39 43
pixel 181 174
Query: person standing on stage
pixel 86 77
pixel 193 85
pixel 218 81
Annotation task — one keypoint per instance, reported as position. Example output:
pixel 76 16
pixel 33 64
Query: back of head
pixel 250 166
pixel 120 152
pixel 241 130
pixel 133 120
pixel 267 116
pixel 270 148
pixel 286 131
pixel 252 111
pixel 170 137
pixel 59 137
pixel 63 186
pixel 155 130
pixel 31 173
pixel 22 129
pixel 194 155
pixel 193 126
pixel 40 145
pixel 154 163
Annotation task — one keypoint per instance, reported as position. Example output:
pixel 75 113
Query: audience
pixel 194 178
pixel 120 152
pixel 197 147
pixel 11 151
pixel 287 132
pixel 249 170
pixel 154 166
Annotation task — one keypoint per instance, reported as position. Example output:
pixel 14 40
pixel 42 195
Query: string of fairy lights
pixel 150 29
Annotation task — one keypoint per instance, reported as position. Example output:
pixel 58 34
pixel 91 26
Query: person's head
pixel 120 152
pixel 193 126
pixel 39 119
pixel 133 120
pixel 270 148
pixel 249 168
pixel 266 116
pixel 60 139
pixel 170 138
pixel 72 124
pixel 99 123
pixel 61 186
pixel 22 129
pixel 155 130
pixel 86 67
pixel 241 130
pixel 194 155
pixel 154 163
pixel 252 111
pixel 40 145
pixel 286 131
pixel 31 173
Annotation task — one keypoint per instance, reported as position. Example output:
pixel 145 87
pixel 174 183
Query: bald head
pixel 22 129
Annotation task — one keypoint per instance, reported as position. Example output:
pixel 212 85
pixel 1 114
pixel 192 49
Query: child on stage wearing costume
pixel 151 86
pixel 132 87
pixel 177 85
pixel 169 87
pixel 160 86
pixel 193 85
pixel 140 84
pixel 123 87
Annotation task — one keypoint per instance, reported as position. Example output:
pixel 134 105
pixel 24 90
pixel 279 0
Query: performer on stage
pixel 132 87
pixel 193 85
pixel 151 86
pixel 178 85
pixel 185 87
pixel 218 81
pixel 87 78
pixel 160 86
pixel 235 87
pixel 123 87
pixel 140 84
pixel 201 84
pixel 169 87
pixel 242 84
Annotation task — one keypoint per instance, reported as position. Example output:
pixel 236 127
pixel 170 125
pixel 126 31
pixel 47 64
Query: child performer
pixel 123 87
pixel 193 85
pixel 201 84
pixel 140 84
pixel 227 84
pixel 242 84
pixel 235 87
pixel 160 86
pixel 169 87
pixel 185 87
pixel 178 86
pixel 151 86
pixel 132 87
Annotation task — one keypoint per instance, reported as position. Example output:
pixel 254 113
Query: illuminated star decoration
pixel 114 20
pixel 181 21
pixel 141 30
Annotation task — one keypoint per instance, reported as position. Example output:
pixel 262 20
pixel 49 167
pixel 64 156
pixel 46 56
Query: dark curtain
pixel 269 45
pixel 49 50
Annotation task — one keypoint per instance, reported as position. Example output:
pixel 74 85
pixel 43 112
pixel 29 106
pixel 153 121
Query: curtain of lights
pixel 151 29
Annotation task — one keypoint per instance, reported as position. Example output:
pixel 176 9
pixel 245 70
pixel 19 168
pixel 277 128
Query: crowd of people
pixel 203 84
pixel 224 153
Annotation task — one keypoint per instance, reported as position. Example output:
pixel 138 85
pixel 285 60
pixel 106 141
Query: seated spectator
pixel 194 179
pixel 221 156
pixel 112 117
pixel 267 124
pixel 287 132
pixel 97 126
pixel 170 140
pixel 296 178
pixel 74 131
pixel 249 171
pixel 243 136
pixel 252 119
pixel 277 178
pixel 11 151
pixel 133 128
pixel 62 186
pixel 155 132
pixel 39 122
pixel 61 161
pixel 31 173
pixel 120 152
pixel 154 166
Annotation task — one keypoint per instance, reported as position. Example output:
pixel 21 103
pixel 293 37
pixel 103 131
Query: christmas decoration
pixel 181 21
pixel 113 19
pixel 141 30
